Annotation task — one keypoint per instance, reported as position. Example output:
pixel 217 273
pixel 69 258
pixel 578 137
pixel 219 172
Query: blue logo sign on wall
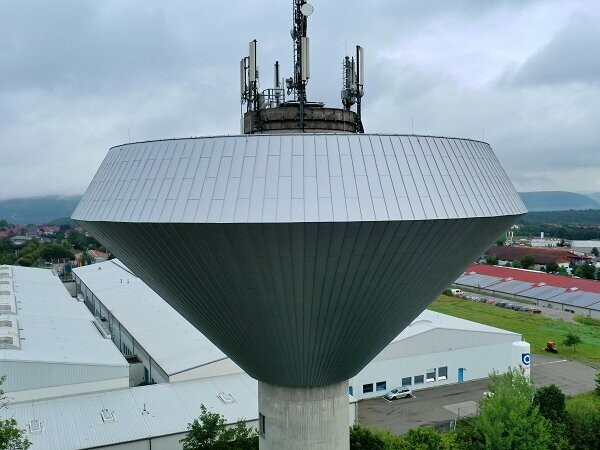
pixel 525 358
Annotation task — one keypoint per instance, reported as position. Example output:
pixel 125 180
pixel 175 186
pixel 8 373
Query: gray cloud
pixel 79 76
pixel 573 55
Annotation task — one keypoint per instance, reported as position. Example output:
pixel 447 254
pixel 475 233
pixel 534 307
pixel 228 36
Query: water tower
pixel 303 246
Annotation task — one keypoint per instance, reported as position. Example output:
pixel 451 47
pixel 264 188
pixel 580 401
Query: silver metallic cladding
pixel 300 304
pixel 300 256
pixel 299 178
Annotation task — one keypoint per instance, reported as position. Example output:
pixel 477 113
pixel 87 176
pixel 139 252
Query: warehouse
pixel 434 350
pixel 585 246
pixel 574 295
pixel 159 343
pixel 50 345
pixel 146 417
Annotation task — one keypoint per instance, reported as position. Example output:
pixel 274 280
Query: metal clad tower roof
pixel 299 178
pixel 300 256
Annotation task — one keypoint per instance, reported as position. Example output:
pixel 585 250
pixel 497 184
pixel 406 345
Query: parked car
pixel 457 292
pixel 501 304
pixel 490 302
pixel 399 393
pixel 536 311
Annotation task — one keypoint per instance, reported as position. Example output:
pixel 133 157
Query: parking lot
pixel 439 406
pixel 547 312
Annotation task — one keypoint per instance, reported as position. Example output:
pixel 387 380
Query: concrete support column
pixel 299 418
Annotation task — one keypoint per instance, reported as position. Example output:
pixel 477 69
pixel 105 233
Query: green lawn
pixel 535 329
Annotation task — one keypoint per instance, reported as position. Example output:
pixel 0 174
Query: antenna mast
pixel 267 110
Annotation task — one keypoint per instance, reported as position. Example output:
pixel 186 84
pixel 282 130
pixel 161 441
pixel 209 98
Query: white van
pixel 457 292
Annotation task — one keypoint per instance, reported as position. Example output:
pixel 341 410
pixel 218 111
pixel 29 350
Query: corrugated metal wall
pixel 442 340
pixel 22 376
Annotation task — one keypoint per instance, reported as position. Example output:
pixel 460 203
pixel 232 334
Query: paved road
pixel 439 406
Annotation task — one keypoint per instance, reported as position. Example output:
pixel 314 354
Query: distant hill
pixel 594 196
pixel 571 217
pixel 557 201
pixel 37 210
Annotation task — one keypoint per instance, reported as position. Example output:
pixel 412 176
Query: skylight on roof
pixel 34 427
pixel 107 416
pixel 226 398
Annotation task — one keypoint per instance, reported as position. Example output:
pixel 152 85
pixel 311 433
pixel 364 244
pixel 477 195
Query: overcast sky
pixel 77 77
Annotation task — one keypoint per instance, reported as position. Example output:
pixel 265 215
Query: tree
pixel 424 438
pixel 572 340
pixel 551 402
pixel 77 240
pixel 584 422
pixel 585 271
pixel 86 259
pixel 210 432
pixel 595 252
pixel 491 260
pixel 361 438
pixel 516 264
pixel 508 419
pixel 597 379
pixel 527 262
pixel 11 436
pixel 501 240
pixel 551 267
pixel 56 251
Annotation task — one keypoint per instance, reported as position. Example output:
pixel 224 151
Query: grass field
pixel 535 329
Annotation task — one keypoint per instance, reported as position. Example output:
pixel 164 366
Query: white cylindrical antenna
pixel 305 58
pixel 243 87
pixel 360 63
pixel 252 62
pixel 276 75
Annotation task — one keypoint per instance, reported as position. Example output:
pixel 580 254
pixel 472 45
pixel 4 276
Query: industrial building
pixel 585 246
pixel 139 418
pixel 563 257
pixel 575 295
pixel 50 345
pixel 159 343
pixel 437 349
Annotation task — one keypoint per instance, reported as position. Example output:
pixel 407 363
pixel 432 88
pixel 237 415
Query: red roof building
pixel 541 256
pixel 535 277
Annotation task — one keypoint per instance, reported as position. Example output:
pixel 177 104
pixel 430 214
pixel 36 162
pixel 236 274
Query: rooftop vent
pixel 107 416
pixel 34 427
pixel 7 304
pixel 227 399
pixel 9 334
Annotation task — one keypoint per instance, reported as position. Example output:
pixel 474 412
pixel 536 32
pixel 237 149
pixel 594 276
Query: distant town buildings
pixel 563 257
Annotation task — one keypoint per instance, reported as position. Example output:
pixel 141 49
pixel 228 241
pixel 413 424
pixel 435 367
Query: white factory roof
pixel 585 244
pixel 170 340
pixel 429 320
pixel 52 326
pixel 134 413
